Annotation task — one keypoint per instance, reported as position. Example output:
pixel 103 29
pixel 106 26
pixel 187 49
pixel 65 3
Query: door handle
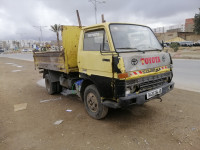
pixel 108 60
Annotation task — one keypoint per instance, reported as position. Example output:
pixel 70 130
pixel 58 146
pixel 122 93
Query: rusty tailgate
pixel 50 60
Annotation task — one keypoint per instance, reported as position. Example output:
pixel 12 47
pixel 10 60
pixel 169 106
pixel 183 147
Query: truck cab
pixel 115 65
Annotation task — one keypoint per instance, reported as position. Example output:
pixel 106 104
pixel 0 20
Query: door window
pixel 95 41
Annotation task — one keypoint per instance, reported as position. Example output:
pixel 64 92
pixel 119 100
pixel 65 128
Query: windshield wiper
pixel 153 49
pixel 128 49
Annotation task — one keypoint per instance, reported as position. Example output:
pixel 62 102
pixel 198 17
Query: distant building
pixel 174 30
pixel 189 25
pixel 1 44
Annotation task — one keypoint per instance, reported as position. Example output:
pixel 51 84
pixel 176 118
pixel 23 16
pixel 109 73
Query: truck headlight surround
pixel 133 88
pixel 128 91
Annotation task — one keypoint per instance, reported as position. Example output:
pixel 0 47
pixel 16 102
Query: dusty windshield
pixel 133 38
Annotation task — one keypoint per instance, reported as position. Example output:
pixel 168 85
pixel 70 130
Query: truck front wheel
pixel 93 105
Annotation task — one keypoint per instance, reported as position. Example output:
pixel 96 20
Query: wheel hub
pixel 92 102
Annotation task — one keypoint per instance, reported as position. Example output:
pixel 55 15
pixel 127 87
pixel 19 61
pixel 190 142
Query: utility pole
pixel 41 28
pixel 102 18
pixel 95 2
pixel 79 20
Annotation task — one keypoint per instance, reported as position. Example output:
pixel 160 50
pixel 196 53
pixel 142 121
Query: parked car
pixel 197 43
pixel 1 50
pixel 186 43
pixel 25 50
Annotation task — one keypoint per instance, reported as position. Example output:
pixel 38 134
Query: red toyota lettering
pixel 142 60
pixel 150 60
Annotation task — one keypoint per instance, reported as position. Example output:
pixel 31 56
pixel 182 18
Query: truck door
pixel 95 60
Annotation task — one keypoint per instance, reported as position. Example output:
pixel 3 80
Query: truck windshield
pixel 128 37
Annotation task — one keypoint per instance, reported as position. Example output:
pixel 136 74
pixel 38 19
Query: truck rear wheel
pixel 51 87
pixel 93 105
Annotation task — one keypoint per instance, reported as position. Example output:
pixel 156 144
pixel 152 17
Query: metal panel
pixel 137 61
pixel 50 60
pixel 70 37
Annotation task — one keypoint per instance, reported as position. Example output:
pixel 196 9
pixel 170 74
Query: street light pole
pixel 95 9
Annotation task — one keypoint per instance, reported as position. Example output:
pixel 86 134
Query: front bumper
pixel 137 98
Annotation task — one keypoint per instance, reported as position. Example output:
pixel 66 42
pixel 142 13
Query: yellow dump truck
pixel 110 65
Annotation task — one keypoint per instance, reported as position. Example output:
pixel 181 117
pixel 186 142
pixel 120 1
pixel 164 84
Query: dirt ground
pixel 185 52
pixel 172 124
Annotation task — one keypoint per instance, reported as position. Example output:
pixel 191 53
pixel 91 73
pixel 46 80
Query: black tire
pixel 59 87
pixel 93 105
pixel 51 87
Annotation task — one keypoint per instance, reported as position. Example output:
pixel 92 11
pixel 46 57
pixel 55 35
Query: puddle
pixel 41 83
pixel 9 63
pixel 15 65
pixel 16 70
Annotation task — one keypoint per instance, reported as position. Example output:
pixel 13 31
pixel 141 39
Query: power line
pixel 40 28
pixel 95 2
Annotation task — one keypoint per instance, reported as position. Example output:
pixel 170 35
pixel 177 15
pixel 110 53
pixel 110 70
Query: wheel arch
pixel 54 75
pixel 84 84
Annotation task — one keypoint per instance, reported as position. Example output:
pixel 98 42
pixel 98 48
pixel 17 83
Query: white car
pixel 25 50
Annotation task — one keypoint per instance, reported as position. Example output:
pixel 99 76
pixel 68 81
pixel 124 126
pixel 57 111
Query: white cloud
pixel 17 17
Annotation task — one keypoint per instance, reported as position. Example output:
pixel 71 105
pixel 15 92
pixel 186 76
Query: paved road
pixel 186 71
pixel 187 74
pixel 21 56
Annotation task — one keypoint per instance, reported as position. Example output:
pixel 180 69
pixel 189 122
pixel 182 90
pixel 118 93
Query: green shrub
pixel 174 46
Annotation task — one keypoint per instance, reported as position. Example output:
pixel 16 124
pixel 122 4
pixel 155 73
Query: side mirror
pixel 162 44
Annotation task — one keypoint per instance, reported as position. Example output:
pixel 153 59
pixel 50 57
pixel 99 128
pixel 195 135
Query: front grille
pixel 150 82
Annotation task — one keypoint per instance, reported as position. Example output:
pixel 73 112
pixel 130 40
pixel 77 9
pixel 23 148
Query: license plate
pixel 154 93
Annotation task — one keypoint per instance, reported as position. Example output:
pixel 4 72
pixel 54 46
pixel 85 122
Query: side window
pixel 93 41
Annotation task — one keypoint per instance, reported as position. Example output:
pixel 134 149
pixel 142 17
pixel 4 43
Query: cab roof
pixel 108 23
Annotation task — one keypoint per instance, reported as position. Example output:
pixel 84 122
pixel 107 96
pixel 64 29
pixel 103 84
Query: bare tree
pixel 197 23
pixel 56 28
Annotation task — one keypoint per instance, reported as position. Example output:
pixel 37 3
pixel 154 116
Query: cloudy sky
pixel 18 17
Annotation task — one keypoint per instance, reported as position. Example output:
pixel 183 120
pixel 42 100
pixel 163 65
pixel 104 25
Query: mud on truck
pixel 110 65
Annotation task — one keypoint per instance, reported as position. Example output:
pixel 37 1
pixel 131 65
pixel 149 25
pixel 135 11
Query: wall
pixel 166 36
pixel 189 25
pixel 188 36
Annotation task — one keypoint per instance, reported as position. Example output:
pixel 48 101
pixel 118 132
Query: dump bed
pixel 65 60
pixel 50 60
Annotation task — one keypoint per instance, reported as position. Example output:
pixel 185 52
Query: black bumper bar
pixel 137 98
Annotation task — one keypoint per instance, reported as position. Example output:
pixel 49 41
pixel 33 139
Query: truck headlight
pixel 128 91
